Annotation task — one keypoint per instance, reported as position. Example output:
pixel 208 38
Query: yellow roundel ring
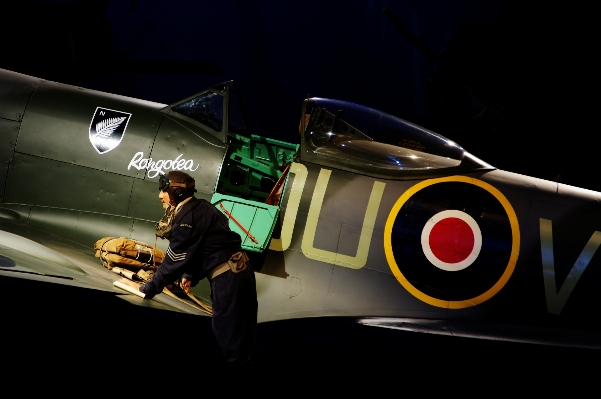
pixel 515 244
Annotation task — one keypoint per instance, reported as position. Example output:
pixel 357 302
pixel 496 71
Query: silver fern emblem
pixel 105 128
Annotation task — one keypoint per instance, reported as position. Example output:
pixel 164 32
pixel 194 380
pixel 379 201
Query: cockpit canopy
pixel 215 108
pixel 364 140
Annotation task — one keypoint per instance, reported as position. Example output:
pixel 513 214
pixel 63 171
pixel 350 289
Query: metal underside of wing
pixel 38 259
pixel 490 331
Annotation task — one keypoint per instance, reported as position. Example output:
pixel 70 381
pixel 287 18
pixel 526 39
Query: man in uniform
pixel 201 245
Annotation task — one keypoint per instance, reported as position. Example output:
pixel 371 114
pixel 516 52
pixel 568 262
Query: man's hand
pixel 186 284
pixel 148 289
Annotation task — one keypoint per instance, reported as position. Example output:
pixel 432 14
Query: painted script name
pixel 156 167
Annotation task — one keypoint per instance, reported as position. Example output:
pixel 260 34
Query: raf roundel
pixel 452 242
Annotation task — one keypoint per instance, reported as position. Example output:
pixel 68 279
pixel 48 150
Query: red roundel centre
pixel 451 240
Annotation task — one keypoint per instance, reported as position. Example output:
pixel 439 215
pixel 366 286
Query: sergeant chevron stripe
pixel 176 257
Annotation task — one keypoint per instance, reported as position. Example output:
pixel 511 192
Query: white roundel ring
pixel 451 240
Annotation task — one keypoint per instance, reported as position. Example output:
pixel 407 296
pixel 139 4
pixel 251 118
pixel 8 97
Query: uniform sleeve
pixel 186 236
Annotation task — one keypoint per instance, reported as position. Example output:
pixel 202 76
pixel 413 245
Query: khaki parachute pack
pixel 128 253
pixel 137 262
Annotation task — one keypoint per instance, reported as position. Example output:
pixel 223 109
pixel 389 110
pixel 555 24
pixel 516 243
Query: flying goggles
pixel 165 183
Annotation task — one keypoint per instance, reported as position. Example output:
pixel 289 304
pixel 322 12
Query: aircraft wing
pixel 36 257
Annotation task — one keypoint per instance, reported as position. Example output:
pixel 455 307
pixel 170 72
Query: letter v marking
pixel 556 300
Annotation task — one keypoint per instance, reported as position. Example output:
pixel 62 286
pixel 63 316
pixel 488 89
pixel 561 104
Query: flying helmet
pixel 178 185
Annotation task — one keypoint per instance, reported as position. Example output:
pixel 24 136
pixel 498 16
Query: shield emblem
pixel 107 129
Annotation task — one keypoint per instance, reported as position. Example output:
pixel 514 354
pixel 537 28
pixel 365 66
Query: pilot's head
pixel 174 187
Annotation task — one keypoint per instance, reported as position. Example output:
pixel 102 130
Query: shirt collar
pixel 179 206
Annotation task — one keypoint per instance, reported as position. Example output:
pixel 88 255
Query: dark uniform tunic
pixel 200 241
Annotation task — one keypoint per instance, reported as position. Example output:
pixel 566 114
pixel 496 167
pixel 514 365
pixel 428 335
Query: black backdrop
pixel 514 84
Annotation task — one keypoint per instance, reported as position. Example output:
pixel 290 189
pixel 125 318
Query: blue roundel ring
pixel 493 241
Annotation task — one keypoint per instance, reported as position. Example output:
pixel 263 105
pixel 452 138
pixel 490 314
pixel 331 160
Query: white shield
pixel 107 129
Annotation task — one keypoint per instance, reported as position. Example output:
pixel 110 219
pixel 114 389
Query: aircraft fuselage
pixel 467 250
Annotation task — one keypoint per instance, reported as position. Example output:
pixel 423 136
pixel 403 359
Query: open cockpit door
pixel 252 178
pixel 254 169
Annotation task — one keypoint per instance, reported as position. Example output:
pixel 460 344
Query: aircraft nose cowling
pixel 19 253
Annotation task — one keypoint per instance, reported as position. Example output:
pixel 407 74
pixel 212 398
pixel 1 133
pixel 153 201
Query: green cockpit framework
pixel 254 170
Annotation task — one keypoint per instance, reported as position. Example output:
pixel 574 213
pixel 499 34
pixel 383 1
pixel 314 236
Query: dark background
pixel 515 84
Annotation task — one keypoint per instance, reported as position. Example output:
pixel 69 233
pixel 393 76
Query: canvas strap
pixel 236 264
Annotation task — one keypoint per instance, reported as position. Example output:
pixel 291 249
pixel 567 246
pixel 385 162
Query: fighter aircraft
pixel 367 217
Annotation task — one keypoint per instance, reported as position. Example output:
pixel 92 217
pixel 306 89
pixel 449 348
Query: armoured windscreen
pixel 235 113
pixel 206 108
pixel 351 134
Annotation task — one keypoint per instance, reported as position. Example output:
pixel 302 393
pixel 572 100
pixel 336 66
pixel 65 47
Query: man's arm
pixel 183 244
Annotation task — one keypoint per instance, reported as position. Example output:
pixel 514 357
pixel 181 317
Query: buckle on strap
pixel 236 263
